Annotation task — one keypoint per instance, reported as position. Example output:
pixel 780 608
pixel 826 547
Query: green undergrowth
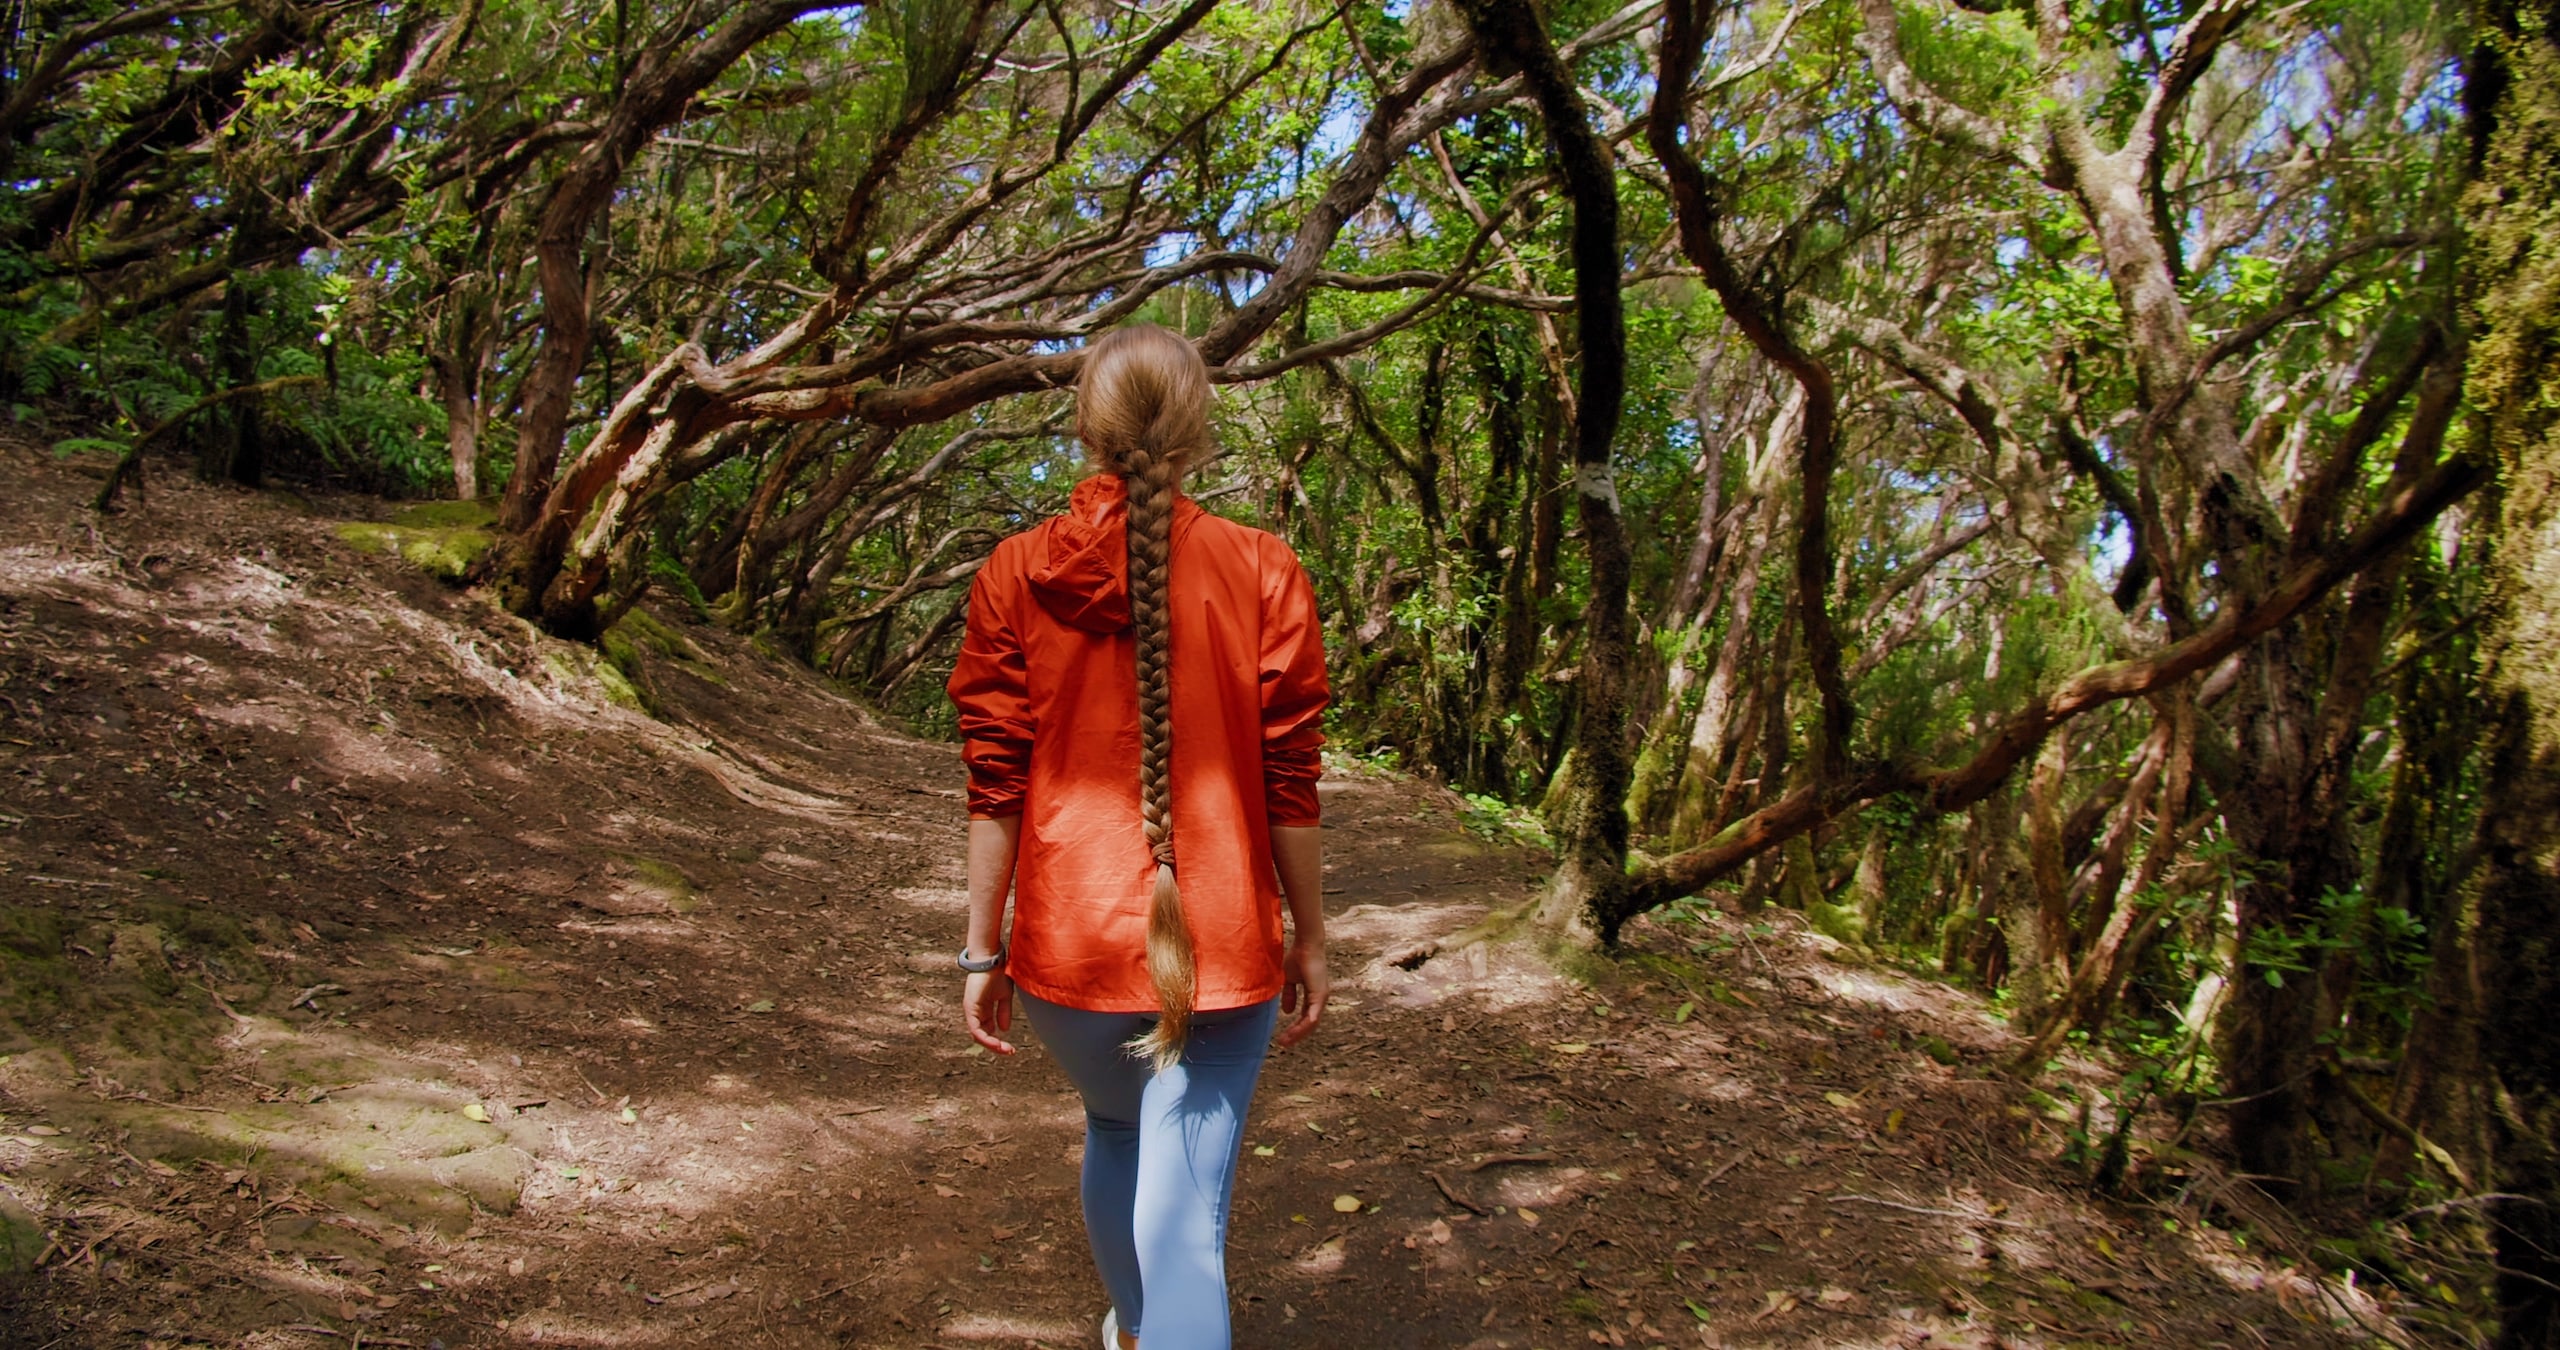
pixel 441 538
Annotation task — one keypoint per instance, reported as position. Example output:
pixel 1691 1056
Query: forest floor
pixel 375 972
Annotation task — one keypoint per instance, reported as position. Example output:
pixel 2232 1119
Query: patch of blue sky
pixel 1171 247
pixel 1239 210
pixel 2114 549
pixel 2296 96
pixel 845 17
pixel 2438 106
pixel 2011 251
pixel 1397 9
pixel 1337 133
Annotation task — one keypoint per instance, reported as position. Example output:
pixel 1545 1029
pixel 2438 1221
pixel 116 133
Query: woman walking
pixel 1141 693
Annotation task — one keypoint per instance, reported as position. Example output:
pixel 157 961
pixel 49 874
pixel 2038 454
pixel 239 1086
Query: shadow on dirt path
pixel 374 971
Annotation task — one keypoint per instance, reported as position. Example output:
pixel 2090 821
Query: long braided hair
pixel 1142 411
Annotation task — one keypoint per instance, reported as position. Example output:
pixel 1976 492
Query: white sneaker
pixel 1111 1329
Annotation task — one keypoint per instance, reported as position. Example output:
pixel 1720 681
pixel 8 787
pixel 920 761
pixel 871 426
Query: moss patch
pixel 573 666
pixel 1840 923
pixel 126 993
pixel 640 627
pixel 446 553
pixel 21 1237
pixel 663 880
pixel 442 538
pixel 619 689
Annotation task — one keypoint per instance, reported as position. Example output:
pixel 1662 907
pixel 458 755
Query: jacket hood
pixel 1081 574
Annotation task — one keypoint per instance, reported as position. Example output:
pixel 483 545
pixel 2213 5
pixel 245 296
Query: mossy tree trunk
pixel 1591 868
pixel 2513 894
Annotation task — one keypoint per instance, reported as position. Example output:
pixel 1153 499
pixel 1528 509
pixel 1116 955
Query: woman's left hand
pixel 986 1001
pixel 1303 990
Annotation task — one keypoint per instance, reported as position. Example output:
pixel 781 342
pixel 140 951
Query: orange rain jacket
pixel 1046 686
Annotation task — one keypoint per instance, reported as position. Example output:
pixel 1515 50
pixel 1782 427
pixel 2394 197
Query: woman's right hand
pixel 1303 990
pixel 986 1001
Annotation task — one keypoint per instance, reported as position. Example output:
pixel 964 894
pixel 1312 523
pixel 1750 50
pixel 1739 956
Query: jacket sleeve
pixel 991 688
pixel 1294 692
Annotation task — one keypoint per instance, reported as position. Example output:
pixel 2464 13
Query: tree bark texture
pixel 2514 890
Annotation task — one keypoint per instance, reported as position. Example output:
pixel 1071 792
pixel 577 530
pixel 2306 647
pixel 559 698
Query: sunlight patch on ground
pixel 552 1327
pixel 1392 927
pixel 1867 987
pixel 1011 1328
pixel 2316 1300
pixel 933 899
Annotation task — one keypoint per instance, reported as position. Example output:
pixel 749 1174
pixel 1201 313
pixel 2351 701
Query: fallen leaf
pixel 762 1005
pixel 570 1174
pixel 945 1192
pixel 1833 1296
pixel 630 1117
pixel 1681 1013
pixel 1842 1100
pixel 1346 1204
pixel 1893 1121
pixel 1779 1300
pixel 475 1111
pixel 1266 1150
pixel 44 1131
pixel 1528 1216
pixel 1573 1048
pixel 1439 1231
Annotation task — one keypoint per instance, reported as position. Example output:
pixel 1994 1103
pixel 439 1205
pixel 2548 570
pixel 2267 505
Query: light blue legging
pixel 1160 1152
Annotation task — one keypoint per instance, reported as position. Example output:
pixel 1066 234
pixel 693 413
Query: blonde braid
pixel 1170 960
pixel 1141 410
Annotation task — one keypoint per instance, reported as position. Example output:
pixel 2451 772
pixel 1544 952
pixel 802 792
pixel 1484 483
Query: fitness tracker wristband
pixel 980 965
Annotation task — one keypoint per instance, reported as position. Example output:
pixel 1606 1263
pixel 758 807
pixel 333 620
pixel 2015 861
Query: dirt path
pixel 370 975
